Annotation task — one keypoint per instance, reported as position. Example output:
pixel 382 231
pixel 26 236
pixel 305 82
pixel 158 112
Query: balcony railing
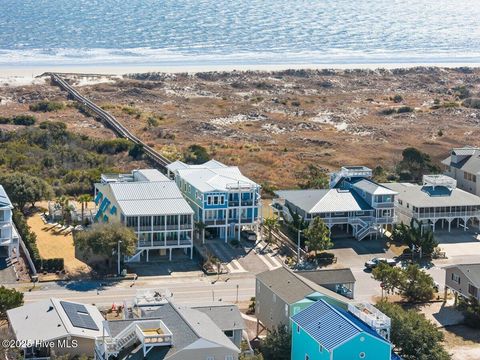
pixel 439 214
pixel 383 205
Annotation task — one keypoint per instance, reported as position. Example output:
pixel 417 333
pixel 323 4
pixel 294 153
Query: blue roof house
pixel 322 331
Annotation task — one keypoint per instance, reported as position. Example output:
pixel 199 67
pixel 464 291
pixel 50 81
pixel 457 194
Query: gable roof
pixel 316 201
pixel 471 271
pixel 225 316
pixel 373 188
pixel 470 161
pixel 47 320
pixel 4 199
pixel 330 326
pixel 292 287
pixel 329 276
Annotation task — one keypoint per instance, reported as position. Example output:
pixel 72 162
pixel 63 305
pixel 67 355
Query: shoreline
pixel 28 75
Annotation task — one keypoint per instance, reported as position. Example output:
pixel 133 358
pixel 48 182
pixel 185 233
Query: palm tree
pixel 66 208
pixel 270 224
pixel 84 200
pixel 200 227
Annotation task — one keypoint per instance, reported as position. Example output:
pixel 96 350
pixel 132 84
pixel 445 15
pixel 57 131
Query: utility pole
pixel 118 256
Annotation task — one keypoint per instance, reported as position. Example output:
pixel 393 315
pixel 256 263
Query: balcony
pixel 383 205
pixel 154 333
pixel 210 222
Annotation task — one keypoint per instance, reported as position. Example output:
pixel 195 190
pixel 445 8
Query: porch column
pixel 449 224
pixel 191 252
pixel 148 252
pixel 170 254
pixel 465 224
pixel 178 230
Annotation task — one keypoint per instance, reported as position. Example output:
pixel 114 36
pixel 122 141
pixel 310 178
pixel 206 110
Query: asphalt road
pixel 187 290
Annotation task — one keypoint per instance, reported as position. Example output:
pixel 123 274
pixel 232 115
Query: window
pixel 298 329
pixel 286 310
pixel 215 200
pixel 361 355
pixel 472 290
pixel 455 278
pixel 229 357
pixel 320 348
pixel 228 333
pixel 274 298
pixel 307 357
pixel 210 358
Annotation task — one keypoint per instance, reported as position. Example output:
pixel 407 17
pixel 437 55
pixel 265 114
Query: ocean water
pixel 238 32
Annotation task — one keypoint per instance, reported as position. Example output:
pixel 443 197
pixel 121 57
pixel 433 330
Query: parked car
pixel 249 235
pixel 371 264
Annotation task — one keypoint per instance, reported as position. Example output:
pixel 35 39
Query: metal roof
pixel 471 271
pixel 149 175
pixel 211 164
pixel 373 188
pixel 428 196
pixel 326 325
pixel 4 199
pixel 214 177
pixel 149 198
pixel 324 201
pixel 329 276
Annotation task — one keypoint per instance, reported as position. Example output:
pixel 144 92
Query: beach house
pixel 56 328
pixel 157 328
pixel 281 292
pixel 354 203
pixel 9 242
pixel 152 206
pixel 322 331
pixel 223 199
pixel 438 202
pixel 463 165
pixel 463 280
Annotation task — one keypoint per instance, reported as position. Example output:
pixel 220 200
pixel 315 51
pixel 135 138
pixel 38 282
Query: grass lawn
pixel 52 244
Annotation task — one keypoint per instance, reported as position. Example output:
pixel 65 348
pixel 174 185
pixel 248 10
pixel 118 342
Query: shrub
pixel 404 109
pixel 47 106
pixel 196 154
pixel 113 146
pixel 472 103
pixel 397 99
pixel 388 111
pixel 5 120
pixel 26 120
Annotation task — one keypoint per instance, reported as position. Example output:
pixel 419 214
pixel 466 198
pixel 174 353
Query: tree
pixel 277 345
pixel 414 337
pixel 271 225
pixel 136 151
pixel 84 200
pixel 23 189
pixel 412 236
pixel 318 236
pixel 9 299
pixel 415 164
pixel 390 277
pixel 471 311
pixel 314 178
pixel 418 285
pixel 200 228
pixel 196 154
pixel 102 239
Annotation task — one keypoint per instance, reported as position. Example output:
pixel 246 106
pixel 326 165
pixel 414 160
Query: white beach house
pixel 9 242
pixel 354 203
pixel 152 205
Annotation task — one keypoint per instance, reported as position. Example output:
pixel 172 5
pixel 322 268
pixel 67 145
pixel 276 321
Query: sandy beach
pixel 28 75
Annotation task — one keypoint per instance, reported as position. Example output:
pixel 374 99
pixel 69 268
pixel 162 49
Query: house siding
pixel 303 344
pixel 270 309
pixel 462 287
pixel 373 348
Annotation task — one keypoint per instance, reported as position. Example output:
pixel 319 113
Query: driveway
pixel 7 275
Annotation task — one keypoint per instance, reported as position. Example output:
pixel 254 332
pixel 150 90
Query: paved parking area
pixel 7 275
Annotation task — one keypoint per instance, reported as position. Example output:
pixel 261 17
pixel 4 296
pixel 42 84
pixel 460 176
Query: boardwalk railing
pixel 109 119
